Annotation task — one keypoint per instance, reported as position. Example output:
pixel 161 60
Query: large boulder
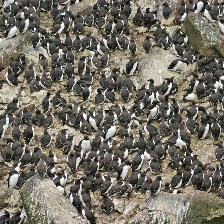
pixel 44 204
pixel 204 36
pixel 11 48
pixel 194 208
pixel 82 7
pixel 154 66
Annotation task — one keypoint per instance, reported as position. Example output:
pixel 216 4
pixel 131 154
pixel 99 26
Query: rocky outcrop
pixel 11 48
pixel 154 66
pixel 194 208
pixel 204 36
pixel 44 204
pixel 82 7
pixel 155 3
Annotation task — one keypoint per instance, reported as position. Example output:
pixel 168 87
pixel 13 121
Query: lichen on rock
pixel 45 205
pixel 204 36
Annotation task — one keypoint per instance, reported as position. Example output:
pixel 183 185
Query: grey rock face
pixel 44 204
pixel 193 208
pixel 149 68
pixel 11 48
pixel 204 36
pixel 154 66
pixel 82 7
pixel 8 93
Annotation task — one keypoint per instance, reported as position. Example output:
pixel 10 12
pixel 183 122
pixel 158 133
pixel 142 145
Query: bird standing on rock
pixel 42 167
pixel 166 10
pixel 147 46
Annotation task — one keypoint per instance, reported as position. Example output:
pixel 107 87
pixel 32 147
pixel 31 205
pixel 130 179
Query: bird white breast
pixel 125 172
pixel 195 85
pixel 180 143
pixel 154 112
pixel 61 189
pixel 78 160
pixel 105 43
pixel 140 165
pixel 200 6
pixel 218 85
pixel 186 39
pixel 152 98
pixel 195 116
pixel 169 89
pixel 61 28
pixel 13 180
pixel 190 97
pixel 111 132
pixel 178 66
pixel 183 17
pixel 81 199
pixel 13 32
pixel 221 26
pixel 99 50
pixel 71 198
pixel 7 3
pixel 22 216
pixel 134 68
pixel 93 123
pixel 160 185
pixel 27 21
pixel 207 127
pixel 125 153
pixel 55 158
pixel 147 155
pixel 63 181
pixel 119 46
pixel 113 27
pixel 53 170
pixel 189 181
pixel 207 15
pixel 84 215
pixel 179 184
pixel 86 145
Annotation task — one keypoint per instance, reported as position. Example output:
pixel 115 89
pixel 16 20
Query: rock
pixel 119 204
pixel 11 48
pixel 8 93
pixel 4 194
pixel 154 66
pixel 33 54
pixel 44 204
pixel 155 3
pixel 193 207
pixel 204 36
pixel 82 7
pixel 46 21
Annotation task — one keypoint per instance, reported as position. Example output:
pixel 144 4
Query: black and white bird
pixel 166 10
pixel 221 25
pixel 147 46
pixel 156 186
pixel 13 177
pixel 199 6
pixel 178 65
pixel 107 205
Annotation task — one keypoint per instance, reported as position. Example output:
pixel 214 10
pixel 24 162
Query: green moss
pixel 218 220
pixel 202 210
pixel 33 210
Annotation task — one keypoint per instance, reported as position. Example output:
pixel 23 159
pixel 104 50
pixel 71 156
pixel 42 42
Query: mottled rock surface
pixel 44 204
pixel 11 48
pixel 194 208
pixel 204 36
pixel 154 66
pixel 82 7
